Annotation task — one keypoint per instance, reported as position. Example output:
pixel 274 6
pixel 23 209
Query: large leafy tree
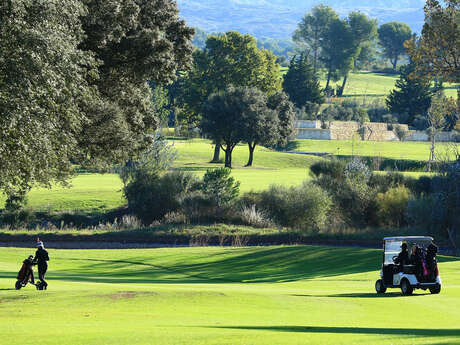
pixel 260 123
pixel 229 59
pixel 311 30
pixel 337 49
pixel 135 41
pixel 363 31
pixel 301 83
pixel 411 97
pixel 392 37
pixel 285 111
pixel 222 116
pixel 43 80
pixel 73 82
pixel 437 53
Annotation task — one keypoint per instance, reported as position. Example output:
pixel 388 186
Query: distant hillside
pixel 279 18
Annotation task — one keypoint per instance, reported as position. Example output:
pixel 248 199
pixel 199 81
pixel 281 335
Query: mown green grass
pixel 370 86
pixel 88 192
pixel 385 149
pixel 263 295
pixel 99 192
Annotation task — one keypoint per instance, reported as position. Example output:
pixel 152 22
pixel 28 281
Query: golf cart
pixel 421 272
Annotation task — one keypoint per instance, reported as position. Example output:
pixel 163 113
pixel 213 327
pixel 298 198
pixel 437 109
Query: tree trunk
pixel 328 79
pixel 228 157
pixel 395 62
pixel 216 157
pixel 315 58
pixel 432 149
pixel 251 154
pixel 342 88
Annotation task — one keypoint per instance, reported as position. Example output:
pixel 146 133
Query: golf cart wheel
pixel 435 289
pixel 406 288
pixel 18 285
pixel 380 287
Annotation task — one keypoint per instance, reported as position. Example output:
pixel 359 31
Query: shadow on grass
pixel 290 146
pixel 362 295
pixel 363 95
pixel 7 289
pixel 351 330
pixel 245 265
pixel 233 265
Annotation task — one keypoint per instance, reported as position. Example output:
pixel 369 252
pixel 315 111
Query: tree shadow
pixel 351 330
pixel 281 264
pixel 290 146
pixel 235 265
pixel 361 295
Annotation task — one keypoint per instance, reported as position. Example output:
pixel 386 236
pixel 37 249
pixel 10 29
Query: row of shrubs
pixel 340 195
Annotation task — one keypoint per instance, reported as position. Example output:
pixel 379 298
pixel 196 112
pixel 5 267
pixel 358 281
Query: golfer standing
pixel 41 259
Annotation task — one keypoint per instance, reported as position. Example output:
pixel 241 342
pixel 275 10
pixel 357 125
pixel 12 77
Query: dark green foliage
pixel 245 114
pixel 155 160
pixel 280 103
pixel 411 96
pixel 351 193
pixel 301 83
pixel 383 182
pixel 223 115
pixel 220 187
pixel 304 207
pixel 42 83
pixel 135 41
pixel 347 111
pixel 230 59
pixel 332 168
pixel 392 206
pixel 73 83
pixel 311 31
pixel 260 123
pixel 151 196
pixel 392 37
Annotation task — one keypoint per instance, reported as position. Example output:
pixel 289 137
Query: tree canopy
pixel 245 114
pixel 411 97
pixel 392 37
pixel 73 82
pixel 312 28
pixel 301 83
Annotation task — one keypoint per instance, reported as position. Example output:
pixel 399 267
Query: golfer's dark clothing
pixel 42 258
pixel 403 258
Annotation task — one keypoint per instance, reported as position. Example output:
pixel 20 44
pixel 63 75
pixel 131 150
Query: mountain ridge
pixel 278 18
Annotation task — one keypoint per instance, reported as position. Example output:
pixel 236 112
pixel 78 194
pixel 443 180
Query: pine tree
pixel 411 97
pixel 301 83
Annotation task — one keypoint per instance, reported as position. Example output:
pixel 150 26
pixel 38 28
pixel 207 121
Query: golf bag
pixel 25 274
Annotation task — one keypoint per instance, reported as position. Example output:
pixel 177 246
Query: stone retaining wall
pixel 372 131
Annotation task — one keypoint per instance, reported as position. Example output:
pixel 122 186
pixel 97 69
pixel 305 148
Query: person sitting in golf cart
pixel 403 257
pixel 416 259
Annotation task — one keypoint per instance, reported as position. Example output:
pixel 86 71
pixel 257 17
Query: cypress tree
pixel 411 96
pixel 301 83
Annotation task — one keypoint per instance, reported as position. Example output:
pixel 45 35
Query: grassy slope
pixel 93 192
pixel 367 86
pixel 276 295
pixel 388 149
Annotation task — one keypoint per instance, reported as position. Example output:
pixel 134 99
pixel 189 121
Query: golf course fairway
pixel 259 295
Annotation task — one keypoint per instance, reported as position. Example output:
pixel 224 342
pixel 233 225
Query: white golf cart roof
pixel 409 238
